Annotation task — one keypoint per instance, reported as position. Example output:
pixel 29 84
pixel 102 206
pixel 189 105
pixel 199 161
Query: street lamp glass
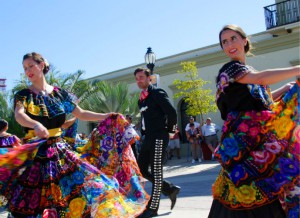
pixel 150 56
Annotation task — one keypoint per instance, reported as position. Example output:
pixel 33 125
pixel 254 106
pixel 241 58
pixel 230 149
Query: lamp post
pixel 150 59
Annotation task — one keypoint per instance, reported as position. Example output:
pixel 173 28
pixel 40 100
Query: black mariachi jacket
pixel 157 111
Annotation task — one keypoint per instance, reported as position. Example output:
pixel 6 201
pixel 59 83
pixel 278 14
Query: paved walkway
pixel 195 180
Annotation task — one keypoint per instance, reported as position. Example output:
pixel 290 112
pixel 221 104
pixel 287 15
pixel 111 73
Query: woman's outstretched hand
pixel 41 131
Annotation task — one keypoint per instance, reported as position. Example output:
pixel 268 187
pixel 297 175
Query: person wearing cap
pixel 209 131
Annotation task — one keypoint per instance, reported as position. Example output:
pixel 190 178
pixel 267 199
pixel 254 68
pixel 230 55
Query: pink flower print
pixel 50 213
pixel 99 185
pixel 121 177
pixel 118 206
pixel 17 162
pixel 138 194
pixel 102 129
pixel 243 127
pixel 34 174
pixel 297 133
pixel 50 152
pixel 35 199
pixel 296 147
pixel 273 147
pixel 4 174
pixel 224 81
pixel 262 115
pixel 22 204
pixel 261 157
pixel 253 131
pixel 224 128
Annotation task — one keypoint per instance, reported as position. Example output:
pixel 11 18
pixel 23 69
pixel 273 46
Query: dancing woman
pixel 47 178
pixel 260 137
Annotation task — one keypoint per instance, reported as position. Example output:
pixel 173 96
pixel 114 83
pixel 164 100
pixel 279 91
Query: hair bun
pixel 47 66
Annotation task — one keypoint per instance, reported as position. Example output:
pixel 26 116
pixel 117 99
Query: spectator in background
pixel 192 120
pixel 209 132
pixel 174 144
pixel 193 135
pixel 198 127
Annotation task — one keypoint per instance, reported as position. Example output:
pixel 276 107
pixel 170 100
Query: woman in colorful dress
pixel 49 179
pixel 114 156
pixel 7 140
pixel 259 149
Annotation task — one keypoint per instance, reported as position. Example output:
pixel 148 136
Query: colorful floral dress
pixel 114 156
pixel 69 134
pixel 9 141
pixel 260 144
pixel 45 178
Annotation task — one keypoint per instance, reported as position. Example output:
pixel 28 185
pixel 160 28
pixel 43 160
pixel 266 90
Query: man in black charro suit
pixel 159 118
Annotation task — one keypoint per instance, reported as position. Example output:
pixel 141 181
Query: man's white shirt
pixel 196 124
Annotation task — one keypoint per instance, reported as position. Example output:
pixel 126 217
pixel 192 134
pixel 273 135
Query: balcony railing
pixel 282 13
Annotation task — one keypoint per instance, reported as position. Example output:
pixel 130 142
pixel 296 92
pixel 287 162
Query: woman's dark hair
pixel 241 32
pixel 3 124
pixel 145 70
pixel 38 59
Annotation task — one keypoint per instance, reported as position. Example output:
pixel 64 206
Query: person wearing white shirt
pixel 209 131
pixel 192 120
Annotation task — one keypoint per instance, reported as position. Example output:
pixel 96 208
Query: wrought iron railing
pixel 282 13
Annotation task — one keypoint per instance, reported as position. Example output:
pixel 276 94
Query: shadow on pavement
pixel 194 180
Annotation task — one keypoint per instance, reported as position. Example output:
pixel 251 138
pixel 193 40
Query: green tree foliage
pixel 7 113
pixel 4 109
pixel 199 99
pixel 106 97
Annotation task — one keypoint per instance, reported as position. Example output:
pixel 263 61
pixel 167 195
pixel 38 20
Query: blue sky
pixel 100 36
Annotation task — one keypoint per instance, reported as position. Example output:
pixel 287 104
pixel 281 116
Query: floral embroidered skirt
pixel 48 179
pixel 114 156
pixel 259 154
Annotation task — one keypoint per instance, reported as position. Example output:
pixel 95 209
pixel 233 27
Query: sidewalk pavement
pixel 195 180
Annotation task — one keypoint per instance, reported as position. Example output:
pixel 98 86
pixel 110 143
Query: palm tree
pixel 7 113
pixel 105 97
pixel 133 108
pixel 21 84
pixel 4 109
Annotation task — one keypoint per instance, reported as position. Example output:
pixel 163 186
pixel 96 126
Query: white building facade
pixel 276 48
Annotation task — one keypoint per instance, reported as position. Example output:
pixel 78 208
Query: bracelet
pixel 36 125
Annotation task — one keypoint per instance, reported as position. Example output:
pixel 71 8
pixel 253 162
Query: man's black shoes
pixel 173 195
pixel 148 213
